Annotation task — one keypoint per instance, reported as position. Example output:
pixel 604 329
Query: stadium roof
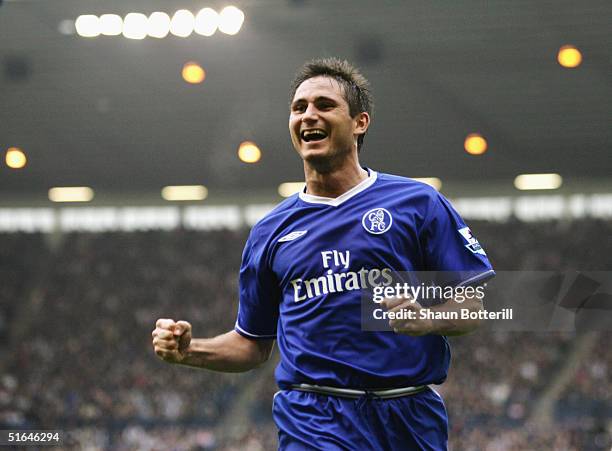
pixel 114 113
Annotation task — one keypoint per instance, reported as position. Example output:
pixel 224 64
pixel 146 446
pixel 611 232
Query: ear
pixel 361 122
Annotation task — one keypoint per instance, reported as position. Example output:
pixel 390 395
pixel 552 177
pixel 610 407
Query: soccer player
pixel 303 270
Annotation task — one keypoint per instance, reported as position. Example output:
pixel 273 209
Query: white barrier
pixel 106 219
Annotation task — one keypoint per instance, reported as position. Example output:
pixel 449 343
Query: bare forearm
pixel 229 352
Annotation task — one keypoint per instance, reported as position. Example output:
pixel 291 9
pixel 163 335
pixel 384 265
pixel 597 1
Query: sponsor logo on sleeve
pixel 472 243
pixel 377 221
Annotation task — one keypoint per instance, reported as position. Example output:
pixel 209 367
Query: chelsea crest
pixel 377 221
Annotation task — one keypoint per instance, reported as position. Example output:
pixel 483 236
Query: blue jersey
pixel 306 263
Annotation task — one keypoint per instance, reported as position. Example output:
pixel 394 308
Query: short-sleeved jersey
pixel 306 263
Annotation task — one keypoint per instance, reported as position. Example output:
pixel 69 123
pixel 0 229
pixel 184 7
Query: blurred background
pixel 141 140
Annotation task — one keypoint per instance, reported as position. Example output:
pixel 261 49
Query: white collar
pixel 335 201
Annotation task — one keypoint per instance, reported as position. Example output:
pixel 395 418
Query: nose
pixel 310 114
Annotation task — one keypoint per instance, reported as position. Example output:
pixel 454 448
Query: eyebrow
pixel 317 99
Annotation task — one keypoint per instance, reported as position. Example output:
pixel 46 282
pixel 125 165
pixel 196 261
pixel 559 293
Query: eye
pixel 298 108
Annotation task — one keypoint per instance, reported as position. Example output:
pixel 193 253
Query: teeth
pixel 310 135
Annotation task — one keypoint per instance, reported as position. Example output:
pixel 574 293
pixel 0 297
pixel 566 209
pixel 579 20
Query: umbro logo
pixel 293 236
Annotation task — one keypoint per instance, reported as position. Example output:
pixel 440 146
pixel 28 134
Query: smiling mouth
pixel 313 135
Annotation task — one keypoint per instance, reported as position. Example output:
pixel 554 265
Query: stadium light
pixel 249 152
pixel 537 181
pixel 230 20
pixel 290 188
pixel 434 182
pixel 193 73
pixel 111 24
pixel 135 26
pixel 71 194
pixel 158 25
pixel 206 22
pixel 475 144
pixel 184 192
pixel 87 26
pixel 182 23
pixel 15 158
pixel 569 56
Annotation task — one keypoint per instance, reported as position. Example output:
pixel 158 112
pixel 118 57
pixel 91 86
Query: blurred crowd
pixel 82 356
pixel 77 311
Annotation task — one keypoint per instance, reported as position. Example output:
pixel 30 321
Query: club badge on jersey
pixel 377 221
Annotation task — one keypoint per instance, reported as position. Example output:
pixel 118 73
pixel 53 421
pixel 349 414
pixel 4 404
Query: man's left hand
pixel 415 327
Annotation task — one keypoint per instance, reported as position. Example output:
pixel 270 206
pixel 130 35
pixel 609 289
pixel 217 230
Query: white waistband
pixel 353 393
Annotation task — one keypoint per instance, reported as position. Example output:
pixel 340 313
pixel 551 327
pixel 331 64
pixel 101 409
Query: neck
pixel 335 181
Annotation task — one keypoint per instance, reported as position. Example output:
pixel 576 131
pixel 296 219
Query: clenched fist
pixel 415 325
pixel 171 339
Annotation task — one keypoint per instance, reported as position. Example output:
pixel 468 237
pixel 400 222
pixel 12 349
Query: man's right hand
pixel 171 339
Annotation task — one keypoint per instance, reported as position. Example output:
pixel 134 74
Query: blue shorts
pixel 313 421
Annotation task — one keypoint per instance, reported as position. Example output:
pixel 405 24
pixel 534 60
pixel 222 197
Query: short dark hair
pixel 355 86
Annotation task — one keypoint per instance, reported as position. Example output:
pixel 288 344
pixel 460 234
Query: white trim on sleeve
pixel 482 275
pixel 236 326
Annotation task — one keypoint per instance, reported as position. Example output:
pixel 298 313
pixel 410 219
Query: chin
pixel 315 154
pixel 323 160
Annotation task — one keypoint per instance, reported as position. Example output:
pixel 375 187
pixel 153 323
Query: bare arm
pixel 229 352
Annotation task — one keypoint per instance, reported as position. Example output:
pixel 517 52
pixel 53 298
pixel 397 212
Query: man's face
pixel 320 123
